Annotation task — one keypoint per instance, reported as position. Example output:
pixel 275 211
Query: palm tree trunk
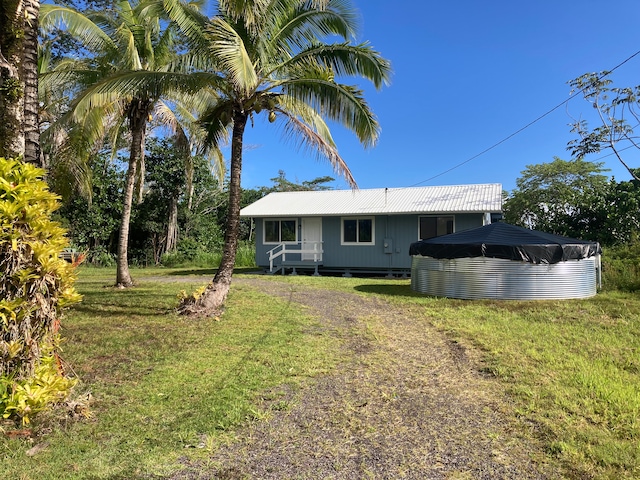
pixel 123 277
pixel 138 113
pixel 216 293
pixel 30 78
pixel 11 82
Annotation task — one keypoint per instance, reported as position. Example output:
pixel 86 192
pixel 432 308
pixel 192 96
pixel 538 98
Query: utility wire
pixel 525 127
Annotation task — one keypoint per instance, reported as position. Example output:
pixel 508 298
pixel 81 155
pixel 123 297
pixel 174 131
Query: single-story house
pixel 363 230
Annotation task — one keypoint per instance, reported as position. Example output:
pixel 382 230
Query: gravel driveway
pixel 408 403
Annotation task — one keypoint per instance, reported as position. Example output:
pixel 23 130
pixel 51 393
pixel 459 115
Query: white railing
pixel 282 249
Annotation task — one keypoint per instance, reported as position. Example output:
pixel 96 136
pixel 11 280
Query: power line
pixel 525 127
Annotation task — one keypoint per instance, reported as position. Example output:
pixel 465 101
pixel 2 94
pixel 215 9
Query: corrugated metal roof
pixel 441 199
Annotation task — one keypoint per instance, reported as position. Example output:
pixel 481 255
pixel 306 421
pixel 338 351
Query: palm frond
pixel 249 11
pixel 189 20
pixel 293 24
pixel 67 75
pixel 164 52
pixel 131 58
pixel 228 47
pixel 310 139
pixel 190 136
pixel 181 118
pixel 216 121
pixel 344 59
pixel 308 115
pixel 78 25
pixel 189 62
pixel 139 84
pixel 344 104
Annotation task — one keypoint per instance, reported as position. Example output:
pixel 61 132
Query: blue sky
pixel 467 75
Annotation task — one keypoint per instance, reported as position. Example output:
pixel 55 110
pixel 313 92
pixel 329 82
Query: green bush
pixel 24 399
pixel 100 257
pixel 35 286
pixel 621 267
pixel 245 257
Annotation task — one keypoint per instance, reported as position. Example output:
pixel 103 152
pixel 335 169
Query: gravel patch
pixel 408 403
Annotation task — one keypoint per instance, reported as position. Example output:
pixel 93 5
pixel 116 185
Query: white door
pixel 312 237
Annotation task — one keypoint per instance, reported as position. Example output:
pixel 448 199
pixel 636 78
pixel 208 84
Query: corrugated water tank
pixel 501 261
pixel 496 278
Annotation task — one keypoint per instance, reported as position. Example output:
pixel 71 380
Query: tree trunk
pixel 123 277
pixel 138 113
pixel 30 78
pixel 11 81
pixel 172 225
pixel 211 301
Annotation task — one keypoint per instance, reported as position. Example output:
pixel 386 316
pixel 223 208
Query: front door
pixel 312 237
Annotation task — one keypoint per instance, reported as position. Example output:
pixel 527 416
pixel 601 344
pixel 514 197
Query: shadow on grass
pixel 391 290
pixel 109 301
pixel 113 310
pixel 212 271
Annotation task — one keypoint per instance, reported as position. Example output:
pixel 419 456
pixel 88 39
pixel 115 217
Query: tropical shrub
pixel 24 399
pixel 35 286
pixel 621 266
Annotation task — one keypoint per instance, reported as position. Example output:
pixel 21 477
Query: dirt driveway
pixel 409 403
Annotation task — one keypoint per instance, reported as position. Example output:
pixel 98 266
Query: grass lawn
pixel 164 387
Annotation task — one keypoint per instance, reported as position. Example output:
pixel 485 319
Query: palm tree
pixel 271 59
pixel 30 68
pixel 134 70
pixel 19 129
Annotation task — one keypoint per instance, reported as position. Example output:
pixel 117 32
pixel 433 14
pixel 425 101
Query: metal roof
pixel 380 201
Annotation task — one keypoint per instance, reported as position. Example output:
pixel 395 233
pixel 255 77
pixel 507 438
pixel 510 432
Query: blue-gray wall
pixel 402 230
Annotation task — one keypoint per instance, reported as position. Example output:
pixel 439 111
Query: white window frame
pixel 284 219
pixel 357 243
pixel 437 216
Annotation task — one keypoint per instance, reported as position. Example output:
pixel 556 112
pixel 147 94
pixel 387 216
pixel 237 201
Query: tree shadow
pixel 212 271
pixel 390 290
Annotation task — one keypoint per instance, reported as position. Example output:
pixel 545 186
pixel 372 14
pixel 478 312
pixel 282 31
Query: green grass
pixel 164 386
pixel 573 368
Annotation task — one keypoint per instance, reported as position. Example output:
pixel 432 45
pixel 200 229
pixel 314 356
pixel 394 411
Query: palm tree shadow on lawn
pixel 212 271
pixel 390 290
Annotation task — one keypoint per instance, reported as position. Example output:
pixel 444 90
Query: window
pixel 358 231
pixel 279 231
pixel 435 226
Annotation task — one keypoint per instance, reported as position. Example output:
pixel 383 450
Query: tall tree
pixel 134 68
pixel 274 57
pixel 558 197
pixel 614 107
pixel 282 184
pixel 19 126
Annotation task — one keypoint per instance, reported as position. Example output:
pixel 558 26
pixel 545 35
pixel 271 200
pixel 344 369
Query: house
pixel 367 231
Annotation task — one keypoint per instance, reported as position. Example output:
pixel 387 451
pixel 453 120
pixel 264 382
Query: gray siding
pixel 401 230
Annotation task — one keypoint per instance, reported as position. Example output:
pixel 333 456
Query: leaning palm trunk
pixel 138 113
pixel 123 277
pixel 211 301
